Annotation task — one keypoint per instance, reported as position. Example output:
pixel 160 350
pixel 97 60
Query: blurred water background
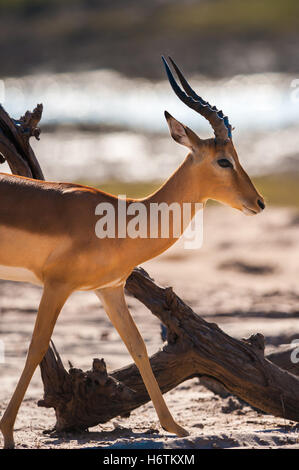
pixel 97 69
pixel 101 125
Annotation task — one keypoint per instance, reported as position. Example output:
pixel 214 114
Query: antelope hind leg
pixel 53 298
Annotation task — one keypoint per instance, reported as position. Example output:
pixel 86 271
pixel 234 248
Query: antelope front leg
pixel 116 308
pixel 53 298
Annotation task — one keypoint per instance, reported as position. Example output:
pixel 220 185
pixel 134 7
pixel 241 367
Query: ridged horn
pixel 219 122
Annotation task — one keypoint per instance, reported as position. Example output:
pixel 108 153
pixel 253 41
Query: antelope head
pixel 215 163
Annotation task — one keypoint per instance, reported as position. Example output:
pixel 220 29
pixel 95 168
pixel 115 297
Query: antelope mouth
pixel 247 211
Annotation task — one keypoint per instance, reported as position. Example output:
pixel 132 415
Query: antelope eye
pixel 224 163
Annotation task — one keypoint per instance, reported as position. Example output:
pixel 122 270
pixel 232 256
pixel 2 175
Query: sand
pixel 244 278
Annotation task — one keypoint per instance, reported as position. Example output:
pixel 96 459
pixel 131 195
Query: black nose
pixel 261 204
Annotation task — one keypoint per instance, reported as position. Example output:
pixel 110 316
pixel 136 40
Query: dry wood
pixel 194 347
pixel 14 142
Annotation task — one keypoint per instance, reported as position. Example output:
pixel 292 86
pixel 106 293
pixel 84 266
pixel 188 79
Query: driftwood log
pixel 14 142
pixel 194 347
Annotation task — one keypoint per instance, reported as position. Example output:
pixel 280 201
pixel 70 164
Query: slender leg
pixel 53 298
pixel 116 308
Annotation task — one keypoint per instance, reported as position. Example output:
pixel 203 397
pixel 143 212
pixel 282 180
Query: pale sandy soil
pixel 245 278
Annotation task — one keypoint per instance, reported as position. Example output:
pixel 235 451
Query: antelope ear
pixel 180 133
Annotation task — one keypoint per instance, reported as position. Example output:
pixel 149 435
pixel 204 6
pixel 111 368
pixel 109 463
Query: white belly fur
pixel 13 273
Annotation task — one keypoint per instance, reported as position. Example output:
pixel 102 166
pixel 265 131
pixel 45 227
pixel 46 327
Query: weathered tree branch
pixel 14 142
pixel 194 347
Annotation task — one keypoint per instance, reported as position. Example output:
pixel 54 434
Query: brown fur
pixel 49 229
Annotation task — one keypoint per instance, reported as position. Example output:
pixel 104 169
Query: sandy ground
pixel 245 278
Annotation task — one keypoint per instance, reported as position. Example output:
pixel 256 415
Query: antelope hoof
pixel 9 445
pixel 8 440
pixel 176 429
pixel 181 432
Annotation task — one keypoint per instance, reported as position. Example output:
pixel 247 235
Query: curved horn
pixel 219 122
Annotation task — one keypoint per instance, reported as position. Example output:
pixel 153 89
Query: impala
pixel 47 237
